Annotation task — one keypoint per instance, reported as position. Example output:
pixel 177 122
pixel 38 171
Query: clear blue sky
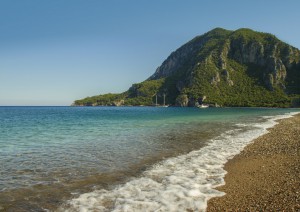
pixel 55 51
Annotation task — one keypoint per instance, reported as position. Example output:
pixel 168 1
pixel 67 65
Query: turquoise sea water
pixel 70 149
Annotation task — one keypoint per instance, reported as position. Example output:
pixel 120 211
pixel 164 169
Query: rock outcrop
pixel 244 46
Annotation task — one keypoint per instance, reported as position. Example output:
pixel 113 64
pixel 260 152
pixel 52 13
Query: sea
pixel 121 158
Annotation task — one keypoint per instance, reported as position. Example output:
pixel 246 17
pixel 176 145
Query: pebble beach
pixel 265 176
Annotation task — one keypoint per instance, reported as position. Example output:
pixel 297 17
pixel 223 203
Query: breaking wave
pixel 181 183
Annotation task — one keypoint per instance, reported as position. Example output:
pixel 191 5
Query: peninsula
pixel 241 68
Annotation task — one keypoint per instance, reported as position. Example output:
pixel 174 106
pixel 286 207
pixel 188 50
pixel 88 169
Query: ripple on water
pixel 46 155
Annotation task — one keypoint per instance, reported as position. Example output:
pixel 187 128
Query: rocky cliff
pixel 244 46
pixel 230 68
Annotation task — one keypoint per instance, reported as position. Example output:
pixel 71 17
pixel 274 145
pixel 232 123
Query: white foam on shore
pixel 176 184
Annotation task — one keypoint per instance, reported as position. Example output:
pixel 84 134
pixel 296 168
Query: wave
pixel 181 183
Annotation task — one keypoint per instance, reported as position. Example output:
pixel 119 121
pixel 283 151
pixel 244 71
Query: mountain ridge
pixel 221 67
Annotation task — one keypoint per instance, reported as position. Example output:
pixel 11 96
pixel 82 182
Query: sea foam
pixel 181 183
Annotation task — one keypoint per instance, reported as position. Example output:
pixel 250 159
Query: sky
pixel 53 52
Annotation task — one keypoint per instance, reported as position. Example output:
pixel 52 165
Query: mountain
pixel 220 67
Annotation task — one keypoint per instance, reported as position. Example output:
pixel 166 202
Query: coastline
pixel 266 174
pixel 192 176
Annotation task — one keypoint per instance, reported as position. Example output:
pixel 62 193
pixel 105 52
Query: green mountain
pixel 220 67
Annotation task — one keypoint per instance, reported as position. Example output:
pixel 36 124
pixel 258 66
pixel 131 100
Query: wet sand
pixel 265 176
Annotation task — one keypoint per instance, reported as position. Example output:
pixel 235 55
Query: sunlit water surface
pixel 52 154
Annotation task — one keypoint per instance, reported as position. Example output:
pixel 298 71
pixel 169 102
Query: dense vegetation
pixel 246 91
pixel 227 68
pixel 106 99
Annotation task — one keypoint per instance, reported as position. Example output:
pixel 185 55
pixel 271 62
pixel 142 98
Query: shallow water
pixel 50 155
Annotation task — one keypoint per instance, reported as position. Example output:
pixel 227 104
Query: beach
pixel 122 158
pixel 265 176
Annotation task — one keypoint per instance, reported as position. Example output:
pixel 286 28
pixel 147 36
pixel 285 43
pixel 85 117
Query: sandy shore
pixel 266 175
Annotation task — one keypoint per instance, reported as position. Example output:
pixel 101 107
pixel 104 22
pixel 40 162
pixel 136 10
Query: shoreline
pixel 200 171
pixel 195 184
pixel 266 174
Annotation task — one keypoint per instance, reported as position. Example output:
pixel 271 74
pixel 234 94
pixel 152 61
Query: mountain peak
pixel 224 67
pixel 218 30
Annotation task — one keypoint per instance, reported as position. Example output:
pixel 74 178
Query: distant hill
pixel 220 67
